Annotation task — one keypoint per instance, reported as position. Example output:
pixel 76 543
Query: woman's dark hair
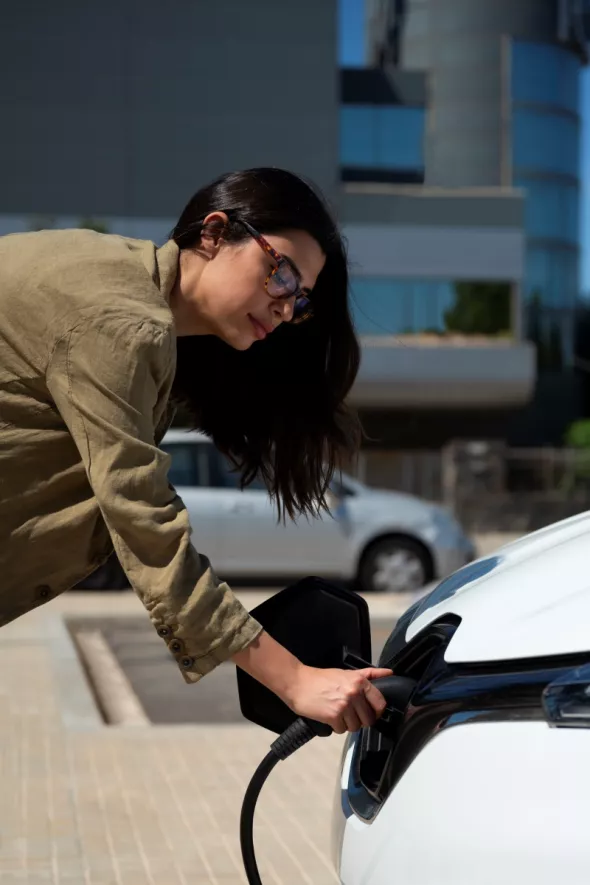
pixel 276 410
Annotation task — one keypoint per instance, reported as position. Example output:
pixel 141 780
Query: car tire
pixel 395 564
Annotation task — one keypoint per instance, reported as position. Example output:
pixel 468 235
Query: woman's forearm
pixel 272 665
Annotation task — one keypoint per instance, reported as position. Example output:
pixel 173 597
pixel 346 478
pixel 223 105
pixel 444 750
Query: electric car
pixel 484 776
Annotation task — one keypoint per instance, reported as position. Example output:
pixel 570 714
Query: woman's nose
pixel 283 310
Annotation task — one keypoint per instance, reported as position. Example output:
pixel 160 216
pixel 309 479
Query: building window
pixel 552 209
pixel 357 135
pixel 544 74
pixel 382 306
pixel 546 142
pixel 382 137
pixel 546 162
pixel 551 275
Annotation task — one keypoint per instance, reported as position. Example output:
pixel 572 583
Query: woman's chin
pixel 239 340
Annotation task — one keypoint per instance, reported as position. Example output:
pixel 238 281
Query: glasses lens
pixel 302 309
pixel 282 282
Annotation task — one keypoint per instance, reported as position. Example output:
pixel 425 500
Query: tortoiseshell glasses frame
pixel 283 281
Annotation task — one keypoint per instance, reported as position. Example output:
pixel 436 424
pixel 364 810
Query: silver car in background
pixel 378 540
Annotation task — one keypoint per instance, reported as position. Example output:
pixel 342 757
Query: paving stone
pixel 87 804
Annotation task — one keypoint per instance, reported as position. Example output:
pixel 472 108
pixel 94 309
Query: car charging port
pixel 379 740
pixel 397 691
pixel 376 750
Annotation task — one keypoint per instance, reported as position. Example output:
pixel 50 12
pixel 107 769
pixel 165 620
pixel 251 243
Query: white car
pixel 385 541
pixel 485 776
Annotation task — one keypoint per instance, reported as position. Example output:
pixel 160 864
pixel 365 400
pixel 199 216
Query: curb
pixel 116 698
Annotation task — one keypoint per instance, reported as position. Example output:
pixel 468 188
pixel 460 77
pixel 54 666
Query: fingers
pixel 352 719
pixel 364 712
pixel 339 725
pixel 375 698
pixel 375 672
pixel 349 700
pixel 366 705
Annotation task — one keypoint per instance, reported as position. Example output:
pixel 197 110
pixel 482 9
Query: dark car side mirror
pixel 319 623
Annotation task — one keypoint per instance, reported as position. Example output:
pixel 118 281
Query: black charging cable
pixel 292 739
pixel 396 690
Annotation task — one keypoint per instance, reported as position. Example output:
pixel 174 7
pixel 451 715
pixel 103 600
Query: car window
pixel 226 477
pixel 200 464
pixel 190 463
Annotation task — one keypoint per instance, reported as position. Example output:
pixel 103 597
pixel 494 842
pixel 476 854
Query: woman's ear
pixel 214 227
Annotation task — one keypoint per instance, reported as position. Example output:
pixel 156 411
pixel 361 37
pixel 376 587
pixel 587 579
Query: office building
pixel 428 156
pixel 502 110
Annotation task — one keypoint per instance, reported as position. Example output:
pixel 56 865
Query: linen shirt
pixel 87 361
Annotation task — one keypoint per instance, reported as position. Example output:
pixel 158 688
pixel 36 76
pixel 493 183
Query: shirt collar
pixel 167 257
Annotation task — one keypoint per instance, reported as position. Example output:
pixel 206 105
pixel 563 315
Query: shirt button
pixel 163 631
pixel 187 662
pixel 44 591
pixel 176 646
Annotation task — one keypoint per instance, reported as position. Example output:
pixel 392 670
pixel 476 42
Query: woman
pixel 242 317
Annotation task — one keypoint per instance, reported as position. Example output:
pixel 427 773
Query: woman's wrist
pixel 272 665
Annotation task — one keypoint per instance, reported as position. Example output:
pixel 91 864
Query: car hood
pixel 531 599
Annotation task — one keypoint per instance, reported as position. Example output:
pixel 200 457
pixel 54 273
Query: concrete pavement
pixel 88 804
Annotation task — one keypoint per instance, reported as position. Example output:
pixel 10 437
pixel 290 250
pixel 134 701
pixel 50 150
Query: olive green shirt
pixel 87 360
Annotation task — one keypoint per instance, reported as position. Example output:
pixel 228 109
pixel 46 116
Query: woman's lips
pixel 259 329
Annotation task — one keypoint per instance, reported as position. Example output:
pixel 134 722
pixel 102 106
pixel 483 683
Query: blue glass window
pixel 545 74
pixel 400 136
pixel 382 306
pixel 357 135
pixel 382 137
pixel 545 142
pixel 552 209
pixel 552 275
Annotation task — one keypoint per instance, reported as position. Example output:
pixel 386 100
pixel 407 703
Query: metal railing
pixel 489 487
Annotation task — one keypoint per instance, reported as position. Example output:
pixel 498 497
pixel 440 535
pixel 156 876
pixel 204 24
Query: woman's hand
pixel 345 700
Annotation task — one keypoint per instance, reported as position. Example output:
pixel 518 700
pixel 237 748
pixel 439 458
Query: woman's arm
pixel 110 378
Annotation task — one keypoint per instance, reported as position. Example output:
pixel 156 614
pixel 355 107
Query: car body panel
pixel 483 803
pixel 531 599
pixel 255 542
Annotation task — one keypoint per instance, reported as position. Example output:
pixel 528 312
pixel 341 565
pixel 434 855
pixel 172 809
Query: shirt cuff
pixel 239 639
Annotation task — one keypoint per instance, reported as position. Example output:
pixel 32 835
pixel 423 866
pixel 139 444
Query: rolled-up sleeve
pixel 110 379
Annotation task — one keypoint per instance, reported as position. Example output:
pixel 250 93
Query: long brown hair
pixel 278 409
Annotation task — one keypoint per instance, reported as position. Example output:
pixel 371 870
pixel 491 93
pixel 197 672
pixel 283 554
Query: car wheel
pixel 395 565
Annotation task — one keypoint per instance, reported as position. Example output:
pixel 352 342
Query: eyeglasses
pixel 283 282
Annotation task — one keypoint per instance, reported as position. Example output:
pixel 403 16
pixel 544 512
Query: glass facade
pixel 543 74
pixel 546 141
pixel 551 275
pixel 546 165
pixel 382 306
pixel 382 137
pixel 552 210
